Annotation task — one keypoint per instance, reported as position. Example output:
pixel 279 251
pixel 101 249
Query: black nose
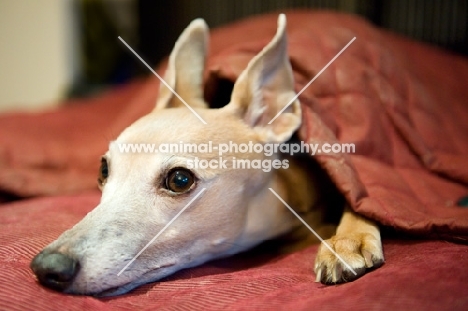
pixel 55 270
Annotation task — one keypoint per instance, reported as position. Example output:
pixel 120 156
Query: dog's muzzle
pixel 55 270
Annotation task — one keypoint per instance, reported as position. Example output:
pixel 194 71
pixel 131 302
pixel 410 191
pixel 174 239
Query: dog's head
pixel 164 211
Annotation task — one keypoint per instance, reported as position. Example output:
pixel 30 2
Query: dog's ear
pixel 265 87
pixel 184 73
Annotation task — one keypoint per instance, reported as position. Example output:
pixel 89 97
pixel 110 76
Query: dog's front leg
pixel 358 246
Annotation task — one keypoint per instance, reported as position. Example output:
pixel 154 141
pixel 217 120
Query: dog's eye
pixel 103 172
pixel 179 180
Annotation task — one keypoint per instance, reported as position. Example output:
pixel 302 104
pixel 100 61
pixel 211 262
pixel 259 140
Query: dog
pixel 226 210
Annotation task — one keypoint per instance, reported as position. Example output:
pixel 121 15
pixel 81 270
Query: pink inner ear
pixel 265 87
pixel 261 110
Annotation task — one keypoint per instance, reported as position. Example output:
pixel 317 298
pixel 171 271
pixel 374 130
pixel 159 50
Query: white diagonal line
pixel 313 79
pixel 161 231
pixel 313 231
pixel 162 80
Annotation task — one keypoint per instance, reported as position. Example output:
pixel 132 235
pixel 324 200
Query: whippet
pixel 142 193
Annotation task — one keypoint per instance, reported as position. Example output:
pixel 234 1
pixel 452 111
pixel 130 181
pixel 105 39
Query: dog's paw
pixel 358 251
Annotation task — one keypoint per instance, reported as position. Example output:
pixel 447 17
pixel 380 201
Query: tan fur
pixel 236 212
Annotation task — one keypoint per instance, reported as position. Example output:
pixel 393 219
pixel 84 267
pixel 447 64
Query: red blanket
pixel 402 103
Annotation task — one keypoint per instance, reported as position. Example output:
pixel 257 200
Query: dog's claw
pixel 368 258
pixel 318 272
pixel 336 273
pixel 359 251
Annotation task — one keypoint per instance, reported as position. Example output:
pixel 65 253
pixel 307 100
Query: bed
pixel 402 103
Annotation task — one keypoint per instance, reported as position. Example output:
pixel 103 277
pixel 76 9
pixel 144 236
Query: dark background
pixel 151 27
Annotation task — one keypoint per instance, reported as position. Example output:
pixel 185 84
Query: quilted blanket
pixel 402 103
